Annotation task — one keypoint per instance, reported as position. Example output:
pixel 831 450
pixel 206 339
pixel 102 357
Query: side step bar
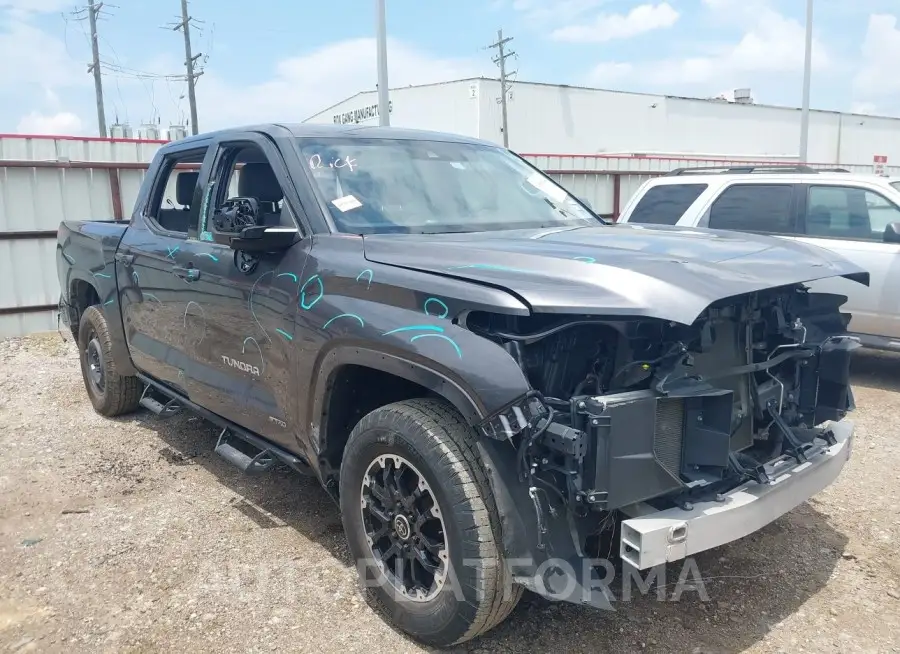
pixel 244 462
pixel 156 407
pixel 269 453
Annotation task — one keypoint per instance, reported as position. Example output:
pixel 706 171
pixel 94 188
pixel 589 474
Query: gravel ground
pixel 131 535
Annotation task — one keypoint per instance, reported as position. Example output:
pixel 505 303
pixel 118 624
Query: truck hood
pixel 641 270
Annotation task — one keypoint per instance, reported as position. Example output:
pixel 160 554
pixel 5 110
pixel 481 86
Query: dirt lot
pixel 131 535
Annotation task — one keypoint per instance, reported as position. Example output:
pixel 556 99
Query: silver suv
pixel 854 215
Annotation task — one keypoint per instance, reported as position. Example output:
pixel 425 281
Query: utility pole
pixel 189 61
pixel 500 60
pixel 384 106
pixel 807 73
pixel 93 10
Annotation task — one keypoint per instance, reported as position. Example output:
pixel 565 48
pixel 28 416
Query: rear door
pixel 850 220
pixel 155 295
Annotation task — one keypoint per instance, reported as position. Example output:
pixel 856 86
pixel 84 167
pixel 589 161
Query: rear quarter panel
pixel 86 253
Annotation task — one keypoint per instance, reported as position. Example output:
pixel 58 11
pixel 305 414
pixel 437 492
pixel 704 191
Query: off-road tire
pixel 120 393
pixel 433 436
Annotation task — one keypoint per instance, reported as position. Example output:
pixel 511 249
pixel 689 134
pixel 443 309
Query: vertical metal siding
pixel 70 180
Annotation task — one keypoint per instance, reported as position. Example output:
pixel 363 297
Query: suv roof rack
pixel 770 168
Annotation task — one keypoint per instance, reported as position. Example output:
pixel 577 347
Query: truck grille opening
pixel 668 437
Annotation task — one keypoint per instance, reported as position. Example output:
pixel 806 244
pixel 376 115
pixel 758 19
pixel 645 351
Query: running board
pixel 249 465
pixel 154 406
pixel 229 429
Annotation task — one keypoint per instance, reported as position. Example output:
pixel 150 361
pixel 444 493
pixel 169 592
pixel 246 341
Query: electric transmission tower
pixel 500 60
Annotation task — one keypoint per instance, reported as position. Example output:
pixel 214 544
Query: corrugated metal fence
pixel 44 180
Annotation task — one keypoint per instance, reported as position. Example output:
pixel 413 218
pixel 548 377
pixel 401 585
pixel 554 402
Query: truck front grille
pixel 669 434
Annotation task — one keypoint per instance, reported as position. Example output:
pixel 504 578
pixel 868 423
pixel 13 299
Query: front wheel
pixel 111 394
pixel 422 525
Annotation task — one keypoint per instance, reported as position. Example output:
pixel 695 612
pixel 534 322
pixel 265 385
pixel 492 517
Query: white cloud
pixel 771 44
pixel 304 85
pixel 41 59
pixel 877 76
pixel 608 27
pixel 540 13
pixel 63 122
pixel 36 6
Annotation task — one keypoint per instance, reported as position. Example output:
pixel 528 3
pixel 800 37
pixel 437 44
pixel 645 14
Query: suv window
pixel 848 212
pixel 665 204
pixel 173 196
pixel 754 208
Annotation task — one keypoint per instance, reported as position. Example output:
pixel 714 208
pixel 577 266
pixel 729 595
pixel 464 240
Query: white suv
pixel 854 215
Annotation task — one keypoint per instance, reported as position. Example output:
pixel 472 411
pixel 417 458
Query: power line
pixel 500 60
pixel 190 60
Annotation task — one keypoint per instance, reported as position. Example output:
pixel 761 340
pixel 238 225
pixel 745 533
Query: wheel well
pixel 82 296
pixel 353 392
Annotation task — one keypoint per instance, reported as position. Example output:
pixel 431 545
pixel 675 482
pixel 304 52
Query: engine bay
pixel 628 410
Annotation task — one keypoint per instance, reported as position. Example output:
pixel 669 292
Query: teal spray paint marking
pixel 586 259
pixel 104 275
pixel 285 334
pixel 368 274
pixel 108 302
pixel 436 301
pixel 303 302
pixel 207 254
pixel 172 251
pixel 291 275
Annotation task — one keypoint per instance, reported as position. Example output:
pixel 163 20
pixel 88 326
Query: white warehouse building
pixel 556 120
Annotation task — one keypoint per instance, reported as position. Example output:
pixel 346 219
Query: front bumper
pixel 650 537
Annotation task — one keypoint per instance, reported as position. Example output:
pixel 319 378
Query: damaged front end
pixel 630 418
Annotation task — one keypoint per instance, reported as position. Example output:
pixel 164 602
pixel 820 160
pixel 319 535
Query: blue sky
pixel 284 60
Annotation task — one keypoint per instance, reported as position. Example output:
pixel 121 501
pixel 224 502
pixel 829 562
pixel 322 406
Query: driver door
pixel 244 313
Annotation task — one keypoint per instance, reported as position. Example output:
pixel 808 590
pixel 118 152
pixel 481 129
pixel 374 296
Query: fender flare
pixel 453 391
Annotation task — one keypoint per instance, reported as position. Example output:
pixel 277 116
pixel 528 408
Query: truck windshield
pixel 378 186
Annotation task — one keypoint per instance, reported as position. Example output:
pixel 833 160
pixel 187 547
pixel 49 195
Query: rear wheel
pixel 421 523
pixel 110 393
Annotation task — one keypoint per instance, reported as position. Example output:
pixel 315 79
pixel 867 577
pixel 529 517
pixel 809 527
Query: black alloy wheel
pixel 404 527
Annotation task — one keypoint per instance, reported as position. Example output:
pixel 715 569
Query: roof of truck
pixel 310 130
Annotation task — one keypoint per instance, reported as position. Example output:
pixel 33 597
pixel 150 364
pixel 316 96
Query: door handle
pixel 125 258
pixel 189 273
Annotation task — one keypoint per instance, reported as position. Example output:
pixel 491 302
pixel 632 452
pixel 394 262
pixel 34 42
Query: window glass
pixel 754 208
pixel 844 212
pixel 374 186
pixel 171 204
pixel 245 172
pixel 666 203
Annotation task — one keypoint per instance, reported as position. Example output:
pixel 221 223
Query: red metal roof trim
pixel 61 137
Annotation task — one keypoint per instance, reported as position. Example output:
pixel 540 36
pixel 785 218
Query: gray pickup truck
pixel 484 376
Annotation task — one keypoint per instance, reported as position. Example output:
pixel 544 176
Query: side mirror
pixel 892 233
pixel 265 239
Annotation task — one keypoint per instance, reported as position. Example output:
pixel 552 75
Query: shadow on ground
pixel 750 586
pixel 874 369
